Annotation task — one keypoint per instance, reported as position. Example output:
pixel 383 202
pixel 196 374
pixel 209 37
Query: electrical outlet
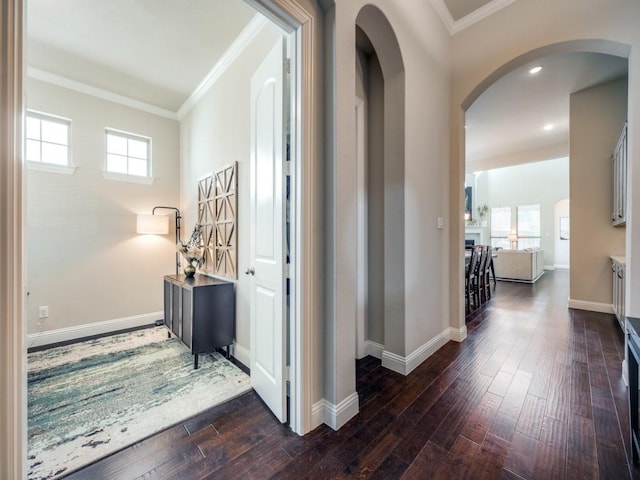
pixel 43 312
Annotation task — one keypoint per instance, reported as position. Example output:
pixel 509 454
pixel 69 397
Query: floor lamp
pixel 159 225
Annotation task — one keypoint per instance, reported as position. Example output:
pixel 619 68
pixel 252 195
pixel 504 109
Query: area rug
pixel 93 398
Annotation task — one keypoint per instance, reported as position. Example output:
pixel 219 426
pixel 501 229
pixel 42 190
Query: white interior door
pixel 268 334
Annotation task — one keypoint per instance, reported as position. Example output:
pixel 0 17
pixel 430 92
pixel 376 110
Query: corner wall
pixel 84 258
pixel 596 117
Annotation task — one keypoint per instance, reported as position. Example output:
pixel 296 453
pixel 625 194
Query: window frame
pixel 128 177
pixel 42 165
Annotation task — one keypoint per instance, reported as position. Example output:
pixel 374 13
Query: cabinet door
pixel 176 313
pixel 168 313
pixel 187 316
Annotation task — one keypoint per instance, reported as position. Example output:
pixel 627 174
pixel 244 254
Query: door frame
pixel 293 17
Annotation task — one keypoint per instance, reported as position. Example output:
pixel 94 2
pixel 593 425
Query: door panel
pixel 268 336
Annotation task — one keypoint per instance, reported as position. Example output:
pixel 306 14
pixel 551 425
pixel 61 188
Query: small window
pixel 48 139
pixel 128 154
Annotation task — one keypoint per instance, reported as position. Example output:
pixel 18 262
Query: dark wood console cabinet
pixel 200 311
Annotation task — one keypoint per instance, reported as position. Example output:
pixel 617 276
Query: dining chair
pixel 480 268
pixel 471 295
pixel 484 279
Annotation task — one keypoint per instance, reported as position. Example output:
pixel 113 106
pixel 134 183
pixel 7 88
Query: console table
pixel 200 311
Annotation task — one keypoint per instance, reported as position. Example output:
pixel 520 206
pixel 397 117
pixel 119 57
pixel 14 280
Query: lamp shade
pixel 152 224
pixel 512 237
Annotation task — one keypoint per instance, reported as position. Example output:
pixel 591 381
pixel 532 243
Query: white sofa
pixel 519 265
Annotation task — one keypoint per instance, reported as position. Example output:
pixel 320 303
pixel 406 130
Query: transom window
pixel 48 139
pixel 128 154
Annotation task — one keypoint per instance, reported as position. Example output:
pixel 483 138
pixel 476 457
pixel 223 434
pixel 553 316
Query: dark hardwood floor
pixel 535 391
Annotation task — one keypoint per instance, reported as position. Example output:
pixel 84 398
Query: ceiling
pixel 153 51
pixel 508 118
pixel 159 51
pixel 461 8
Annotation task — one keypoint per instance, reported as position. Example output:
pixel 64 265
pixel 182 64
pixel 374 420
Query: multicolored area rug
pixel 93 398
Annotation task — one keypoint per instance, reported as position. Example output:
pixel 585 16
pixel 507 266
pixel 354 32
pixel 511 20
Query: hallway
pixel 534 392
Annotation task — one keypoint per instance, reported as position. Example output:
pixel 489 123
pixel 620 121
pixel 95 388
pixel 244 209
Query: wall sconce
pixel 513 239
pixel 159 225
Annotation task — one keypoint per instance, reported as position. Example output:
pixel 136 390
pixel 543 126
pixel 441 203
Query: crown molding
pixel 455 26
pixel 253 28
pixel 80 87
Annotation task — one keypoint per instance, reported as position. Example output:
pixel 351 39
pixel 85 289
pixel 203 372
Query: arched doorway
pixel 380 91
pixel 458 153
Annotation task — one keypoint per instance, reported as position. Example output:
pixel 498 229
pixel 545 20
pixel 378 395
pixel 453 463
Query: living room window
pixel 500 226
pixel 48 140
pixel 528 226
pixel 128 155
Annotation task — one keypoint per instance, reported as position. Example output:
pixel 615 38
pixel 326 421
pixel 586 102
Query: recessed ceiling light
pixel 535 70
pixel 548 126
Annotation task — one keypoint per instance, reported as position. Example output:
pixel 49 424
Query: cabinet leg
pixel 228 352
pixel 168 334
pixel 195 361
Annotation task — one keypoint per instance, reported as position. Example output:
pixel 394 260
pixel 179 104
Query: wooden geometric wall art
pixel 217 217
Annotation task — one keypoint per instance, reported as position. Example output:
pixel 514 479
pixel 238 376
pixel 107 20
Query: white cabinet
pixel 619 157
pixel 617 273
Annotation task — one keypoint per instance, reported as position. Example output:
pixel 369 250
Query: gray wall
pixel 84 258
pixel 597 115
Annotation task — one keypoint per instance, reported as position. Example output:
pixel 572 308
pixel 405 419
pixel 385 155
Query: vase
pixel 189 270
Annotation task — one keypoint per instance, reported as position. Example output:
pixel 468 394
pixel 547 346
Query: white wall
pixel 542 183
pixel 215 133
pixel 84 258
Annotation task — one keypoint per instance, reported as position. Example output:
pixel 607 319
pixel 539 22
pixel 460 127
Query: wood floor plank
pixel 481 418
pixel 551 453
pixel 520 459
pixel 531 416
pixel 426 462
pixel 581 448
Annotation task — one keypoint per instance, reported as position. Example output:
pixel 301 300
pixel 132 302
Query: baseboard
pixel 405 365
pixel 561 267
pixel 591 306
pixel 241 354
pixel 60 335
pixel 517 280
pixel 333 415
pixel 549 267
pixel 374 349
pixel 458 334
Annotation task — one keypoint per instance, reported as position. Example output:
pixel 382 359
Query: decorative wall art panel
pixel 217 217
